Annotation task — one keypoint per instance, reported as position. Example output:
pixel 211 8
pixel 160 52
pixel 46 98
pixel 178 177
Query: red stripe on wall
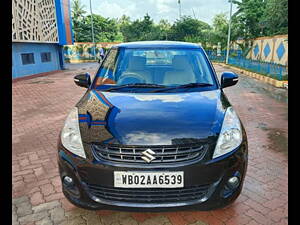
pixel 67 18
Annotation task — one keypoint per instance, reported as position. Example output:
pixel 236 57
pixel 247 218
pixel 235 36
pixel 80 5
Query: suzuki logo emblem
pixel 148 155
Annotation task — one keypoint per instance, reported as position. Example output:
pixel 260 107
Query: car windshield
pixel 124 69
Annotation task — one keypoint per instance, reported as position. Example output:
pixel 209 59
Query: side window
pixel 46 57
pixel 27 58
pixel 109 63
pixel 203 69
pixel 108 67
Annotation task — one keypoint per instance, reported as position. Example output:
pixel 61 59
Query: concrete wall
pixel 20 70
pixel 42 21
pixel 270 49
pixel 34 21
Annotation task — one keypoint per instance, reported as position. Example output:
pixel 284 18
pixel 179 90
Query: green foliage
pixel 188 29
pixel 248 17
pixel 105 29
pixel 220 30
pixel 140 30
pixel 253 18
pixel 164 27
pixel 77 16
pixel 256 18
pixel 276 17
pixel 185 29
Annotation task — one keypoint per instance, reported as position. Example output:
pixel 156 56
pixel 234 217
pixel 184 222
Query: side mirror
pixel 229 79
pixel 100 59
pixel 83 80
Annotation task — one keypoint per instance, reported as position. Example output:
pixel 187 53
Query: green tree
pixel 188 29
pixel 122 23
pixel 124 20
pixel 140 30
pixel 208 38
pixel 164 28
pixel 248 17
pixel 105 29
pixel 77 12
pixel 275 17
pixel 220 30
pixel 147 29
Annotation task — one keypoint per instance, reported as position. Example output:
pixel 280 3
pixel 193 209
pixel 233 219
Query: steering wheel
pixel 131 75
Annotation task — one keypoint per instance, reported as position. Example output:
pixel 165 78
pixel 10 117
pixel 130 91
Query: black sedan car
pixel 154 130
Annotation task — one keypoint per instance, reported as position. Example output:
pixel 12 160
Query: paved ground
pixel 40 106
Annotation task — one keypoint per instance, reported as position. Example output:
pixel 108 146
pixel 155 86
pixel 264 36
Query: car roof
pixel 157 44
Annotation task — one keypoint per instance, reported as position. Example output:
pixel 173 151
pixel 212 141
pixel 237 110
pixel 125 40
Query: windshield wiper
pixel 136 85
pixel 190 85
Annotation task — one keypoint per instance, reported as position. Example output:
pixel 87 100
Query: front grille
pixel 153 195
pixel 163 154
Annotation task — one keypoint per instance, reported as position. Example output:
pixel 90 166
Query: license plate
pixel 125 179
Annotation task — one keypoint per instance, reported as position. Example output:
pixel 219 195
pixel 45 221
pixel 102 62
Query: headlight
pixel 70 134
pixel 231 134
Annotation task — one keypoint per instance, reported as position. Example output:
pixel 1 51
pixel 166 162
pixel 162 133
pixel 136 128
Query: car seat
pixel 182 73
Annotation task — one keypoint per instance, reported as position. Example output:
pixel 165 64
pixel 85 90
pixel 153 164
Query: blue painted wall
pixel 20 70
pixel 60 22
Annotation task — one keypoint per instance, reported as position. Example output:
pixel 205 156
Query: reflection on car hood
pixel 151 119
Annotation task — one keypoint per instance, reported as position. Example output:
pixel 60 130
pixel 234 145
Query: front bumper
pixel 214 174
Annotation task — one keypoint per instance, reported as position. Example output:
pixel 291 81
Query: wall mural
pixel 270 49
pixel 85 50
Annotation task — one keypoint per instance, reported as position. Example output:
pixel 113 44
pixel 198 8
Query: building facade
pixel 40 29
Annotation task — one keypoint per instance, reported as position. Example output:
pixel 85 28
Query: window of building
pixel 46 57
pixel 27 58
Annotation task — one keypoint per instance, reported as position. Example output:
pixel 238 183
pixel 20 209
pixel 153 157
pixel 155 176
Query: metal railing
pixel 236 58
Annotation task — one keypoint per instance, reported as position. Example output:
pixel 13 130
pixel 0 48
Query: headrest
pixel 180 62
pixel 136 63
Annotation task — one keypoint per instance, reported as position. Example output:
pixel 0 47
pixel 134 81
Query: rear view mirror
pixel 83 80
pixel 229 79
